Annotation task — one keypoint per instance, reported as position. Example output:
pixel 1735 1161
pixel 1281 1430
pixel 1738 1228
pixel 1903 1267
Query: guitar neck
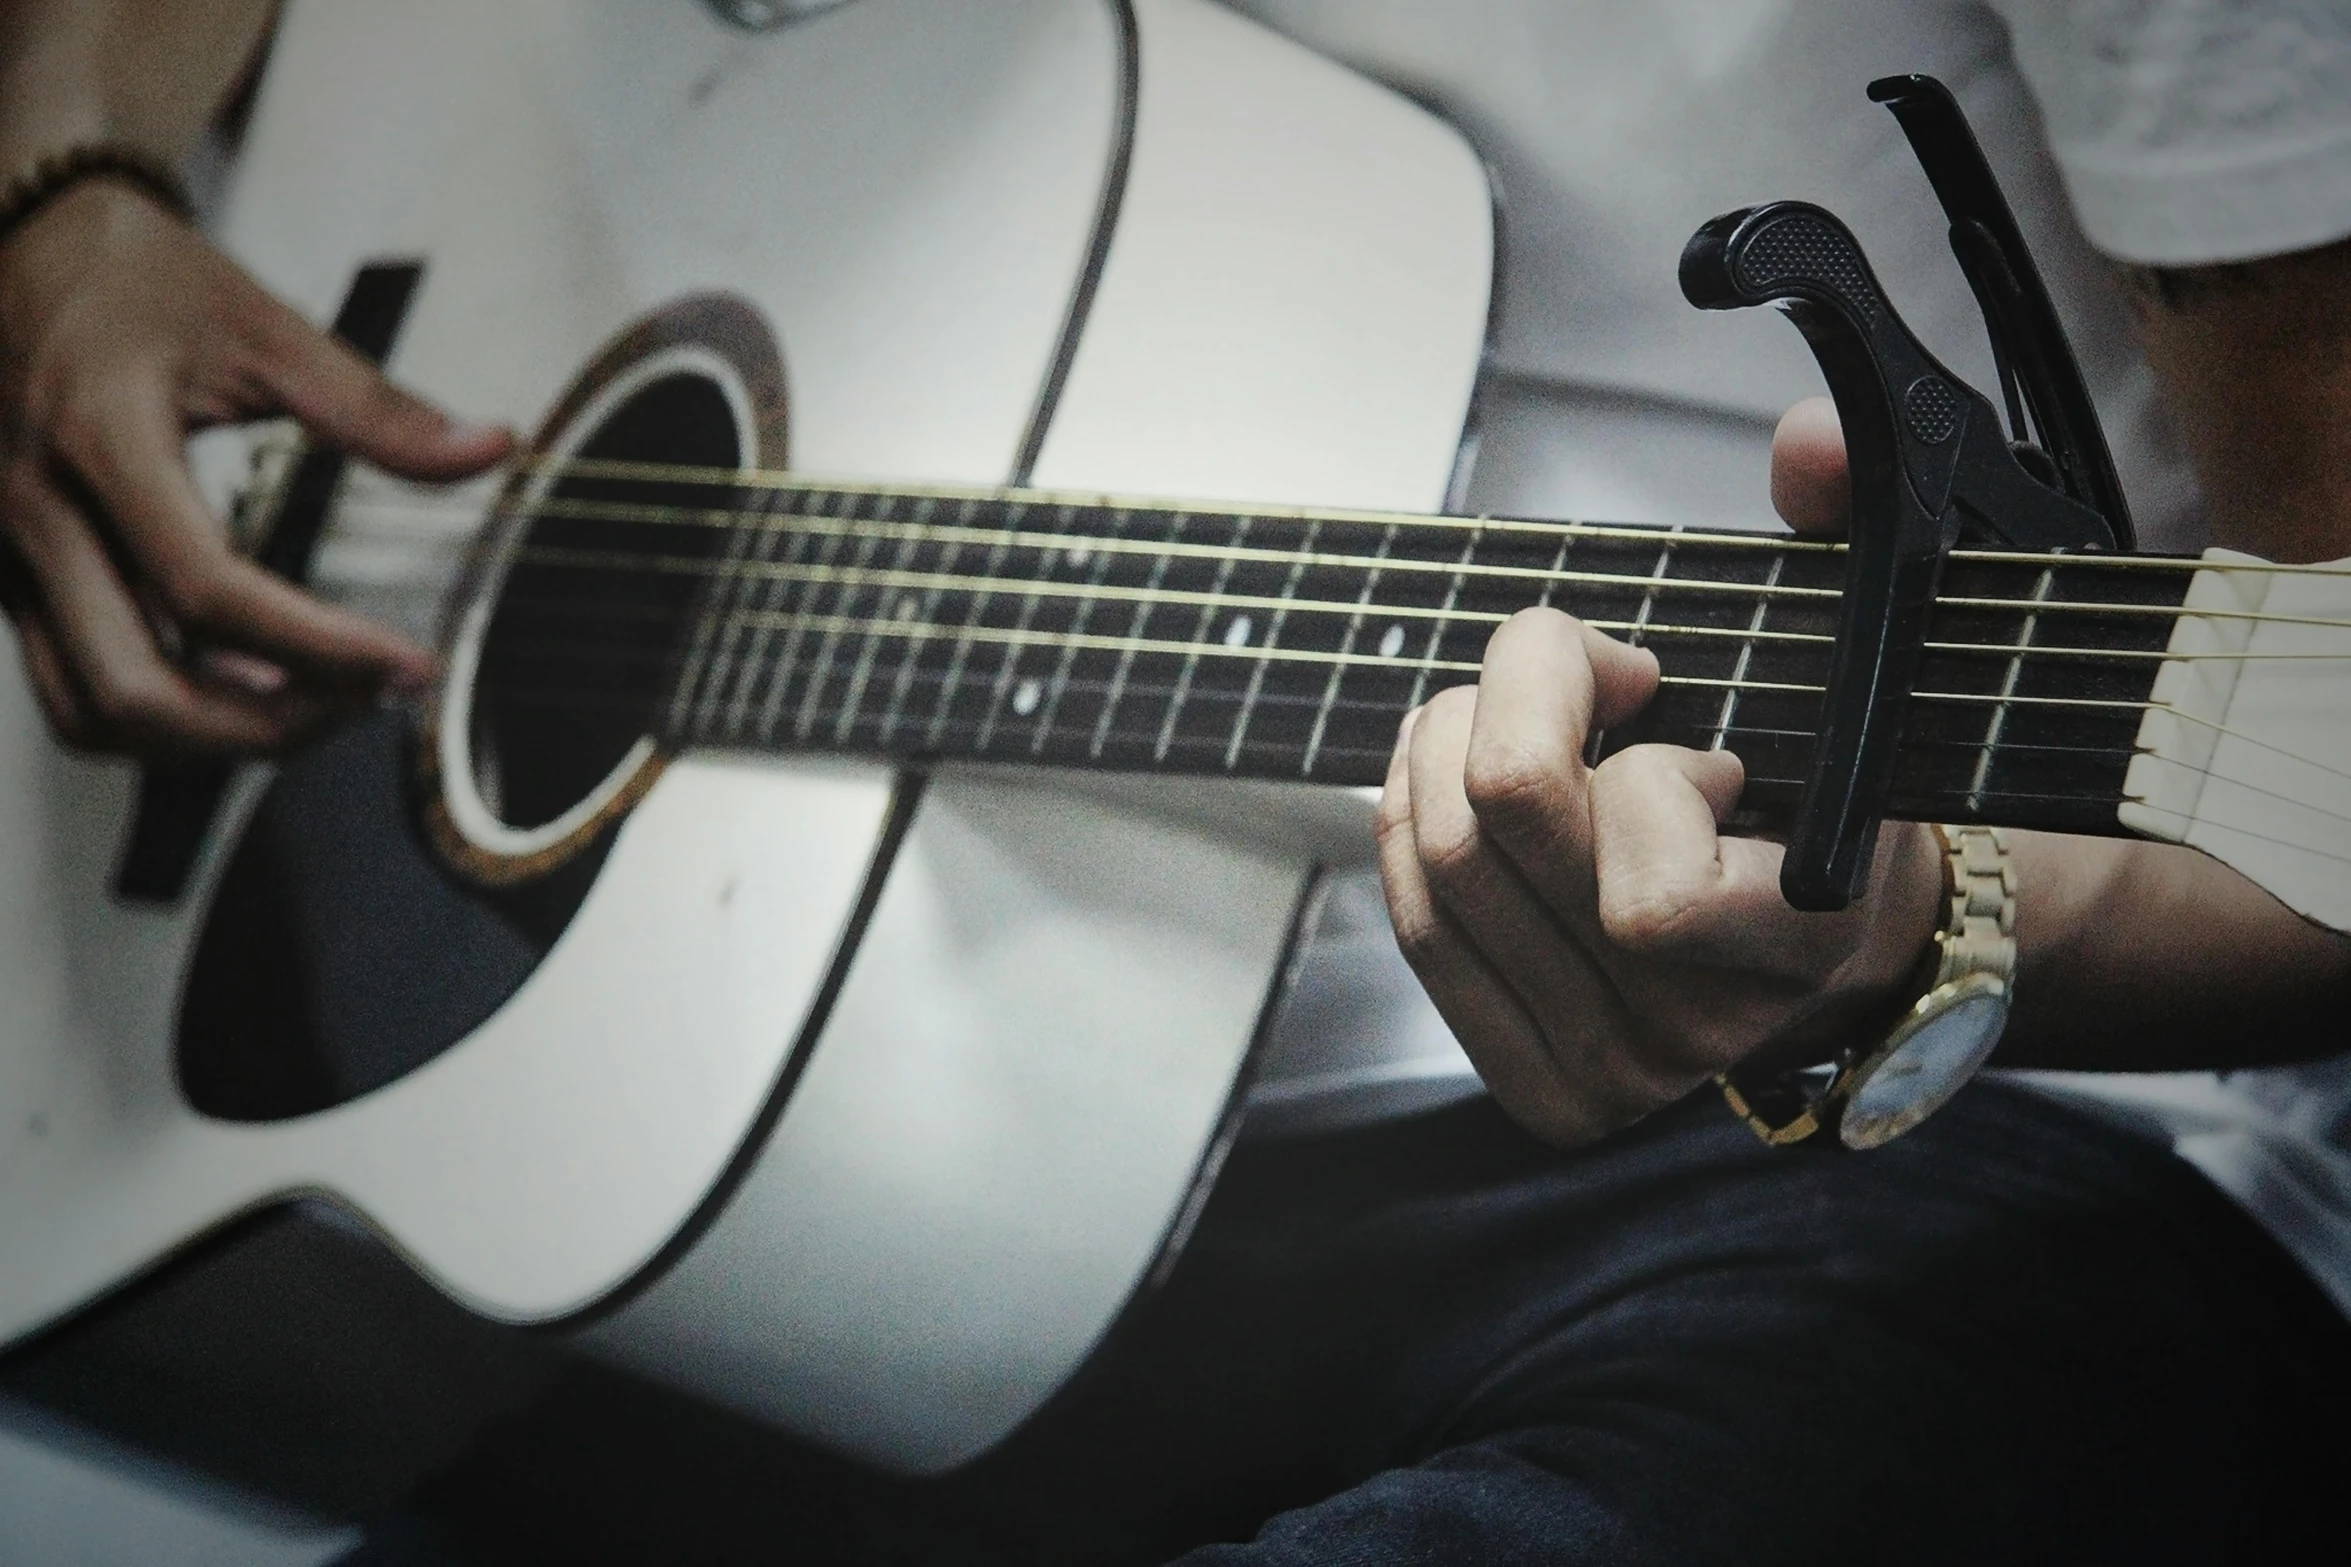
pixel 1082 632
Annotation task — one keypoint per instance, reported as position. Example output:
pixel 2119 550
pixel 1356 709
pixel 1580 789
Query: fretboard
pixel 1064 631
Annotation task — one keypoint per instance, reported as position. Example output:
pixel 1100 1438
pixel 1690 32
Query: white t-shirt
pixel 2183 131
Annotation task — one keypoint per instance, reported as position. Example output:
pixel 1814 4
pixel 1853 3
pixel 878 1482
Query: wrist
pixel 28 192
pixel 1887 1080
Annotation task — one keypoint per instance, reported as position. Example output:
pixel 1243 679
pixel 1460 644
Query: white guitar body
pixel 884 1164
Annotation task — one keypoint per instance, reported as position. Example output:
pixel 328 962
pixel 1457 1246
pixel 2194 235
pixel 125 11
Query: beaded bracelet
pixel 53 176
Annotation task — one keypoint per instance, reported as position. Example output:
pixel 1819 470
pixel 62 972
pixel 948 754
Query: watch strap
pixel 1977 937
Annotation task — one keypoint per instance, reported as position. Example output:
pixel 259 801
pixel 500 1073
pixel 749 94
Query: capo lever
pixel 1930 462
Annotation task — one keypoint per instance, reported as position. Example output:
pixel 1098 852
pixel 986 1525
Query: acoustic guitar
pixel 814 940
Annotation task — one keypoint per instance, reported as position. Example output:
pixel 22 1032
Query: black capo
pixel 1931 464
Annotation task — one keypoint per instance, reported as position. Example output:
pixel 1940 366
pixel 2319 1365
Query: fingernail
pixel 469 430
pixel 254 676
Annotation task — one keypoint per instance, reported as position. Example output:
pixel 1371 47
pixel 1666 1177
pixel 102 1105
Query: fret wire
pixel 1552 578
pixel 854 696
pixel 765 711
pixel 961 655
pixel 1097 567
pixel 1643 615
pixel 1730 698
pixel 731 603
pixel 1132 643
pixel 925 617
pixel 1443 622
pixel 775 595
pixel 1273 638
pixel 707 630
pixel 1024 617
pixel 1330 689
pixel 1598 738
pixel 826 657
pixel 776 670
pixel 2008 684
pixel 1175 706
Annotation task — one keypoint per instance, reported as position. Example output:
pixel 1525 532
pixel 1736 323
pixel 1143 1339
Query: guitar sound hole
pixel 581 648
pixel 339 953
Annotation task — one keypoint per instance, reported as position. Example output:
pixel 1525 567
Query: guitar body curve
pixel 863 1115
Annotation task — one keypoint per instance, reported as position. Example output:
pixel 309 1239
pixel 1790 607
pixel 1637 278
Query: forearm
pixel 2149 957
pixel 2140 955
pixel 152 73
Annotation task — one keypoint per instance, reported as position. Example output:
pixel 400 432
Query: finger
pixel 130 456
pixel 1707 955
pixel 1599 1082
pixel 1546 681
pixel 1810 487
pixel 347 403
pixel 1704 948
pixel 1665 878
pixel 1486 1016
pixel 123 694
pixel 1672 889
pixel 45 672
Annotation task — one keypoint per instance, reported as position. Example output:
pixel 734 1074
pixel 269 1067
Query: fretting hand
pixel 121 331
pixel 1595 942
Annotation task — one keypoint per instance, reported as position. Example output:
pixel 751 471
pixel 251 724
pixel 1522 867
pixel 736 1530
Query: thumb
pixel 1810 487
pixel 346 402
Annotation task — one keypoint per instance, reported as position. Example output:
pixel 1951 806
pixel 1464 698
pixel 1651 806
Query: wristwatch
pixel 1872 1094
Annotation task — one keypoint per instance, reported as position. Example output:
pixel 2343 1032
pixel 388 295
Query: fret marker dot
pixel 1027 695
pixel 1238 633
pixel 1392 643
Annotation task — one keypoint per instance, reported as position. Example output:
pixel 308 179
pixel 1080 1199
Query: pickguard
pixel 339 954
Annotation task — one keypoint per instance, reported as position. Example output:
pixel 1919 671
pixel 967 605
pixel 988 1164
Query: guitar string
pixel 785 479
pixel 1020 640
pixel 859 528
pixel 789 479
pixel 1141 738
pixel 1024 640
pixel 869 628
pixel 920 581
pixel 576 694
pixel 1967 801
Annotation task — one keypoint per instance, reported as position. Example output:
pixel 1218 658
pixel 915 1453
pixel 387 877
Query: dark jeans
pixel 2015 1336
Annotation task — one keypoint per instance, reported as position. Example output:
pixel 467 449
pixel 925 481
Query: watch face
pixel 1936 1050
